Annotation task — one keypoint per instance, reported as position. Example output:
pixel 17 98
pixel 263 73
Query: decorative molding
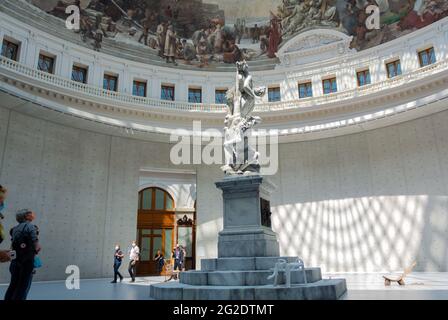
pixel 185 222
pixel 313 46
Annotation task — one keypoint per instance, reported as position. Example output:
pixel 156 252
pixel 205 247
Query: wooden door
pixel 154 228
pixel 151 240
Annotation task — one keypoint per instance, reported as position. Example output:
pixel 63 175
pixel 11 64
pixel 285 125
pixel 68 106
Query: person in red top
pixel 274 37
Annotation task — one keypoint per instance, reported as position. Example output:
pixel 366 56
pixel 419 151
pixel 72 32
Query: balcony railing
pixel 124 99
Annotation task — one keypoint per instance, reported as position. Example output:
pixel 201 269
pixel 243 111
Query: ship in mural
pixel 206 33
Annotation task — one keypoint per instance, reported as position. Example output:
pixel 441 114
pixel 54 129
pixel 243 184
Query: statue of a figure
pixel 241 157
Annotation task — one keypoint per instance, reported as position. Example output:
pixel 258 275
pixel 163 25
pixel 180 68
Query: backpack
pixel 22 243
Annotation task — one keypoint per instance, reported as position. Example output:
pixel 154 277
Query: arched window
pixel 155 199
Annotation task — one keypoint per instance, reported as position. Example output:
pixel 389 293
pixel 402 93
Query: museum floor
pixel 369 286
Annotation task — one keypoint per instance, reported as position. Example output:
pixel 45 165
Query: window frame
pixel 366 74
pixel 80 67
pixel 397 66
pixel 167 86
pixel 194 91
pixel 135 84
pixel 154 209
pixel 332 80
pixel 307 85
pixel 274 90
pixel 7 43
pixel 222 92
pixel 108 77
pixel 46 57
pixel 428 52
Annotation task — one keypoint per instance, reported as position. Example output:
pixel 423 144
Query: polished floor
pixel 364 286
pixel 418 286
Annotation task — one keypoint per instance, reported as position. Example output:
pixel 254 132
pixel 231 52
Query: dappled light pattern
pixel 366 234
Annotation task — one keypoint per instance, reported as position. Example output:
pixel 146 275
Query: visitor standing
pixel 134 257
pixel 25 243
pixel 184 255
pixel 160 261
pixel 178 256
pixel 118 257
pixel 4 254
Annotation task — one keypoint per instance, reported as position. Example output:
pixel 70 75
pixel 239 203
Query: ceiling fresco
pixel 208 33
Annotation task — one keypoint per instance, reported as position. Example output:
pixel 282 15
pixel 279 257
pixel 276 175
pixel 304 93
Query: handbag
pixel 37 262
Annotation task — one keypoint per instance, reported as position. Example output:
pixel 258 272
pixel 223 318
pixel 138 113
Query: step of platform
pixel 331 289
pixel 246 278
pixel 242 263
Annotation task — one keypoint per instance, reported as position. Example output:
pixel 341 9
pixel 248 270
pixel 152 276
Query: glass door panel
pixel 168 243
pixel 160 196
pixel 185 239
pixel 145 248
pixel 156 245
pixel 146 200
pixel 157 232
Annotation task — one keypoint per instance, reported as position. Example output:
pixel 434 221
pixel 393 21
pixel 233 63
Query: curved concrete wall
pixel 370 201
pixel 367 202
pixel 83 186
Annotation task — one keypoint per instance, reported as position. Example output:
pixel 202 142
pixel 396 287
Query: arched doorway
pixel 155 227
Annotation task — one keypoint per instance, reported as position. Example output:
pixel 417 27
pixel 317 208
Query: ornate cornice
pixel 300 123
pixel 313 46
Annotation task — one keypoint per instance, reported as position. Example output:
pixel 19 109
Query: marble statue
pixel 241 158
pixel 283 265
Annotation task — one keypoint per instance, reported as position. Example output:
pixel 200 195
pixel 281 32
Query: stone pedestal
pixel 247 229
pixel 248 249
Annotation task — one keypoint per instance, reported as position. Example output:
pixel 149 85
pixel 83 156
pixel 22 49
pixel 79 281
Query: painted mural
pixel 207 33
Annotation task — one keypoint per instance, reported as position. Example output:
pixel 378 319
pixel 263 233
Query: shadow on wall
pixel 367 234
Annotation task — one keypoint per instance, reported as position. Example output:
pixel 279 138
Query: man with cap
pixel 25 243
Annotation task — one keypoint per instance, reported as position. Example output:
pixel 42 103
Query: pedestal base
pixel 244 234
pixel 247 279
pixel 332 289
pixel 248 242
pixel 247 251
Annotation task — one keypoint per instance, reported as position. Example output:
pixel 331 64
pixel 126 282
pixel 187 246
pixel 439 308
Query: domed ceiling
pixel 210 33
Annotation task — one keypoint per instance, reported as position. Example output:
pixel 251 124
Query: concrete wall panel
pixel 373 201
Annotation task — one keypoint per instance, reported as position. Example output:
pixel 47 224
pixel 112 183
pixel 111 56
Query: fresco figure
pixel 146 23
pixel 202 53
pixel 188 51
pixel 422 14
pixel 274 38
pixel 219 39
pixel 170 45
pixel 161 37
pixel 294 22
pixel 213 37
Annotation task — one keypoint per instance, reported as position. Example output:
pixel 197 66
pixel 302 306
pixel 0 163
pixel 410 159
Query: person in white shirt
pixel 134 256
